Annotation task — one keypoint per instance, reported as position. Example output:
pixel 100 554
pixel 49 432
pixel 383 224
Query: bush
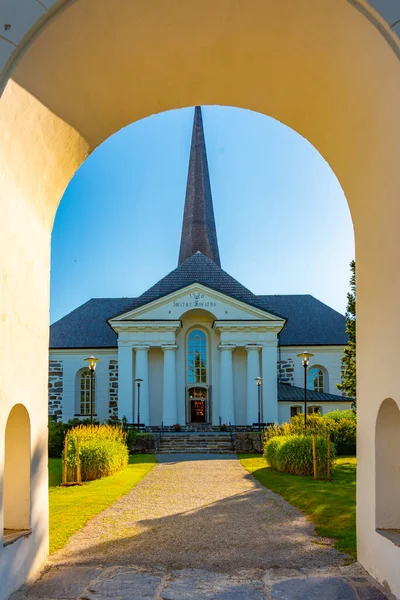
pixel 341 424
pixel 293 454
pixel 56 438
pixel 103 450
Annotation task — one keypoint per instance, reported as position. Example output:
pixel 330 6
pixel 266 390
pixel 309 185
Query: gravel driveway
pixel 200 528
pixel 190 512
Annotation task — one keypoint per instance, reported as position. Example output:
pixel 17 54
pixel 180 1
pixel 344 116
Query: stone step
pixel 195 451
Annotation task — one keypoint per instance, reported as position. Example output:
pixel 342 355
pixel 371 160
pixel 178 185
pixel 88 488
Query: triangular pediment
pixel 197 297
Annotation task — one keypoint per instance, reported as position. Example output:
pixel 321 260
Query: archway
pixel 324 69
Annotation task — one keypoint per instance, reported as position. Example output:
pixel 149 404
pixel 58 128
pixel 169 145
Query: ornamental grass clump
pixel 293 454
pixel 341 424
pixel 102 449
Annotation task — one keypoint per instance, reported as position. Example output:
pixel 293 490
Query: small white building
pixel 197 339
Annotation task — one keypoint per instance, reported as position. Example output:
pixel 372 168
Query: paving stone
pixel 125 585
pixel 313 588
pixel 370 593
pixel 63 583
pixel 203 585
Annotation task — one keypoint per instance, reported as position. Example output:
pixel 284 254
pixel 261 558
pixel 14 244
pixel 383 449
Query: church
pixel 197 348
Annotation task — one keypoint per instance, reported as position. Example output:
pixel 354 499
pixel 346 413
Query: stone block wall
pixel 113 389
pixel 286 370
pixel 56 374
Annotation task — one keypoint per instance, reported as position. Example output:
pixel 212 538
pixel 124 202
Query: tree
pixel 348 370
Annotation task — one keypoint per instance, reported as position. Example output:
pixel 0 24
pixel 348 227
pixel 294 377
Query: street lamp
pixel 259 381
pixel 92 361
pixel 305 358
pixel 138 381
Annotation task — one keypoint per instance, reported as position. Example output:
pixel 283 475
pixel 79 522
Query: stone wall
pixel 286 370
pixel 113 390
pixel 248 442
pixel 56 372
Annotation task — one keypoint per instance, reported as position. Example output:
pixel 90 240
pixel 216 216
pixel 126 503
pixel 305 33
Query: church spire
pixel 198 228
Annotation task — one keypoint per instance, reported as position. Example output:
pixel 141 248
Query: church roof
pixel 310 322
pixel 200 269
pixel 292 393
pixel 198 228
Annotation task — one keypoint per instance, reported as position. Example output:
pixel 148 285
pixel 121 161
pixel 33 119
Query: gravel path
pixel 192 513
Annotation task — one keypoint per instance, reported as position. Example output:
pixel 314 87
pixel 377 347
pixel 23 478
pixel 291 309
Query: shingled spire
pixel 198 229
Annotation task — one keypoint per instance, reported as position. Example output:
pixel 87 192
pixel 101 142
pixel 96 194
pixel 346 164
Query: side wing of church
pixel 189 350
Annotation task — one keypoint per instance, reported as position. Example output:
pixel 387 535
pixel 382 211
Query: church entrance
pixel 198 409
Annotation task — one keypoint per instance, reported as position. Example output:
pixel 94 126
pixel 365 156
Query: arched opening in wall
pixel 387 470
pixel 17 475
pixel 307 64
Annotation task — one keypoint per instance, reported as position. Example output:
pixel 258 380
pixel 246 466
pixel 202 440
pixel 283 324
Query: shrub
pixel 56 438
pixel 103 450
pixel 293 454
pixel 341 424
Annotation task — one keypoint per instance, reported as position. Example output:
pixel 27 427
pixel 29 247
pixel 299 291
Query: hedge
pixel 341 424
pixel 103 450
pixel 293 454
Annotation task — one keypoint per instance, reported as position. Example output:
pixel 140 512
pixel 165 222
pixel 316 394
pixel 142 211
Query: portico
pixel 188 362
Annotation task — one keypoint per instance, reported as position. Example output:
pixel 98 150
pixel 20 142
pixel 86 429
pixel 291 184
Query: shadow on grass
pixel 330 505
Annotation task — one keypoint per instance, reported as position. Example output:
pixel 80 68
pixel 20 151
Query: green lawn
pixel 72 507
pixel 330 505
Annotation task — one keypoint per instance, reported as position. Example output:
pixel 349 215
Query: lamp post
pixel 138 381
pixel 259 381
pixel 92 361
pixel 305 358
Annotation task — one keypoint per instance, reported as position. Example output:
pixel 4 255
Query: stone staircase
pixel 195 443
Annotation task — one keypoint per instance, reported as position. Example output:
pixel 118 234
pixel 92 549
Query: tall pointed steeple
pixel 198 228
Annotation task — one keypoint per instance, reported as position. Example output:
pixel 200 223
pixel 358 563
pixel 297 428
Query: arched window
pixel 316 379
pixel 85 393
pixel 197 357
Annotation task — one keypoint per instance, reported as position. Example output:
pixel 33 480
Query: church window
pixel 295 410
pixel 314 409
pixel 316 379
pixel 85 393
pixel 197 357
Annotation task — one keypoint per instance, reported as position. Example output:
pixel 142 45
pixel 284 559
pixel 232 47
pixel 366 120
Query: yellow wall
pixel 320 67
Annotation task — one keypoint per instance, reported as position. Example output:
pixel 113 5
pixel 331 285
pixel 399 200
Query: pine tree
pixel 348 370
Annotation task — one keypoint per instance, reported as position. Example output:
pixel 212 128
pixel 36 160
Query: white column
pixel 170 408
pixel 125 381
pixel 253 371
pixel 269 382
pixel 142 372
pixel 226 402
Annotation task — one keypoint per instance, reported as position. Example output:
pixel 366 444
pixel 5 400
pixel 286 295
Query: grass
pixel 72 507
pixel 330 505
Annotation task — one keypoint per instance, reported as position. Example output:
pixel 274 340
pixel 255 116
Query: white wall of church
pixel 325 407
pixel 327 357
pixel 73 362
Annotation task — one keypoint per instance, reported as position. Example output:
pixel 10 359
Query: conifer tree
pixel 348 370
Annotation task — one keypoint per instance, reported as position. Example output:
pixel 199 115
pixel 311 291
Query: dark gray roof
pixel 310 322
pixel 200 269
pixel 292 393
pixel 198 227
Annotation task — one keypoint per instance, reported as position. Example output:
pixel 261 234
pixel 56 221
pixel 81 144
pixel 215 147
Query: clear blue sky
pixel 282 219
